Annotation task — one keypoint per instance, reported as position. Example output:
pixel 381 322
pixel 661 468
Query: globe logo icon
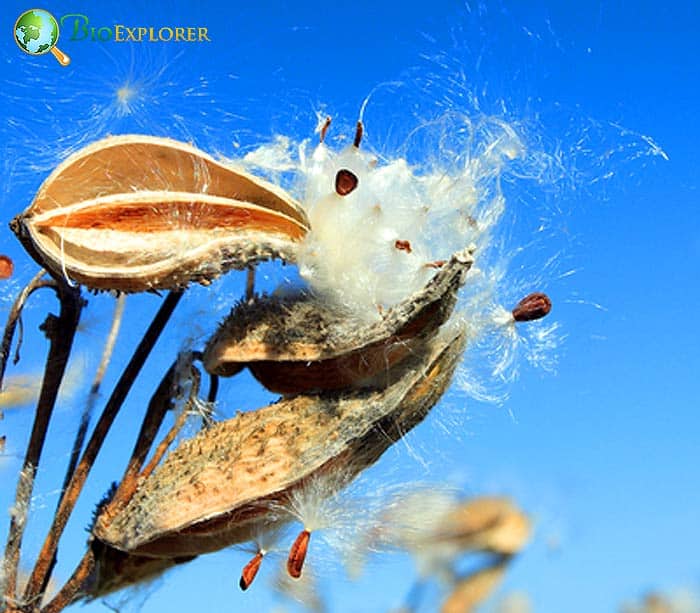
pixel 36 32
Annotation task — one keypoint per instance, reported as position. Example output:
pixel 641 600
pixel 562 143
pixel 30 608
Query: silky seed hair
pixel 382 224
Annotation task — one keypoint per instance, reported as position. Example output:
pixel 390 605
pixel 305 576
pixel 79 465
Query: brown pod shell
pixel 302 344
pixel 222 486
pixel 134 212
pixel 485 524
pixel 114 570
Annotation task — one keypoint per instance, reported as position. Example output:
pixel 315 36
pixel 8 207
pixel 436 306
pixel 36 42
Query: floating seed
pixel 297 554
pixel 250 570
pixel 534 306
pixel 359 132
pixel 324 129
pixel 6 267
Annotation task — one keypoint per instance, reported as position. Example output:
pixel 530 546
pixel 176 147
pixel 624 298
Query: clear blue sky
pixel 604 452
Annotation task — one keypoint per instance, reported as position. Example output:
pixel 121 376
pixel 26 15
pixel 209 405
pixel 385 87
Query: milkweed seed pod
pixel 301 344
pixel 484 524
pixel 134 213
pixel 115 570
pixel 218 488
pixel 470 591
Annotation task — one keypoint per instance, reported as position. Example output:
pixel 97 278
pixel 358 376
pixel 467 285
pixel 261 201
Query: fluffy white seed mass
pixel 381 241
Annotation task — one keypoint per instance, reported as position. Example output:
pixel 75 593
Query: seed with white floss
pixel 250 570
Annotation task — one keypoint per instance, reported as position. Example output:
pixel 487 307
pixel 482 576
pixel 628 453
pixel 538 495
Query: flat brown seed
pixel 135 213
pixel 435 264
pixel 403 246
pixel 297 554
pixel 324 129
pixel 345 182
pixel 534 306
pixel 359 132
pixel 250 570
pixel 6 267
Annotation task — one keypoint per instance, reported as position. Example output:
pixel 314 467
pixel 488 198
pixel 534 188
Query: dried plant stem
pixel 213 388
pixel 71 493
pixel 60 332
pixel 67 593
pixel 95 388
pixel 180 421
pixel 15 312
pixel 250 284
pixel 159 404
pixel 90 404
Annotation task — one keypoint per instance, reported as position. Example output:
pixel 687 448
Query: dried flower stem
pixel 90 405
pixel 13 318
pixel 70 495
pixel 172 433
pixel 60 332
pixel 159 404
pixel 250 284
pixel 95 388
pixel 67 593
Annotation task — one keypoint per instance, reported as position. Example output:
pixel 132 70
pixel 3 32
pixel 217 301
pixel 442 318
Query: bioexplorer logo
pixel 36 33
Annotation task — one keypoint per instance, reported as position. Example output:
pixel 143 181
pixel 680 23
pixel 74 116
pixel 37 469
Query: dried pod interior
pixel 302 344
pixel 140 212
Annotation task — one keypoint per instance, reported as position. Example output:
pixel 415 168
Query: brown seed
pixel 301 344
pixel 345 182
pixel 250 570
pixel 403 246
pixel 534 306
pixel 435 264
pixel 134 213
pixel 297 554
pixel 324 128
pixel 6 267
pixel 359 131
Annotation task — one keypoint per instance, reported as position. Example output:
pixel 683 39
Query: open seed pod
pixel 484 524
pixel 301 344
pixel 218 488
pixel 115 570
pixel 133 213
